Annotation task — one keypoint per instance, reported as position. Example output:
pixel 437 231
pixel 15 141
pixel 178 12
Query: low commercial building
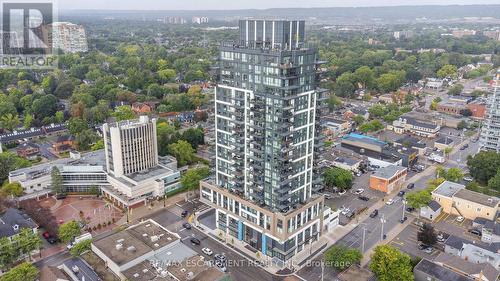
pixel 453 108
pixel 470 271
pixel 444 143
pixel 125 249
pixel 334 127
pixel 379 152
pixel 388 179
pixel 406 125
pixel 457 200
pixel 478 109
pixel 347 163
pixel 409 141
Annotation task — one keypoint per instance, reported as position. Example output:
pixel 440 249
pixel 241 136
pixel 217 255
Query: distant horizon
pixel 225 5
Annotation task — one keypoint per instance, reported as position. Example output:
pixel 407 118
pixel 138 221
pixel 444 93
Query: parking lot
pixel 352 201
pixel 448 223
pixel 407 242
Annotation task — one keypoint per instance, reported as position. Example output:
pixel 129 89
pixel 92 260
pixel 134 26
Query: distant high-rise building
pixel 199 20
pixel 405 34
pixel 175 20
pixel 267 110
pixel 490 135
pixel 69 37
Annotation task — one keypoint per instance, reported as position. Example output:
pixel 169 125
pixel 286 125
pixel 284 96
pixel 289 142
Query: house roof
pixel 65 138
pixel 434 205
pixel 477 197
pixel 418 123
pixel 438 271
pixel 26 145
pixel 448 188
pixel 12 217
pixel 456 242
pixel 414 142
pixel 460 265
pixel 493 226
pixel 388 172
pixel 33 132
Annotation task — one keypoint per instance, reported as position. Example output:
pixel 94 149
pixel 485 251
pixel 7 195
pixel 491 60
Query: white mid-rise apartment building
pixel 490 135
pixel 69 37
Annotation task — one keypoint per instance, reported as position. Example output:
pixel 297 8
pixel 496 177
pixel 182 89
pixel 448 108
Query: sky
pixel 247 4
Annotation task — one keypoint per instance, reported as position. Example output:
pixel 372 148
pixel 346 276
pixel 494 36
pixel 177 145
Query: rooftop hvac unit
pixel 119 246
pixel 154 238
pixel 131 249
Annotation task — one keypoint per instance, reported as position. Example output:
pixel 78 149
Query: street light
pixel 404 205
pixel 382 221
pixel 363 244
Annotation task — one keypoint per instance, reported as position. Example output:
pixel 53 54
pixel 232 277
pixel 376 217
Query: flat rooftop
pixel 362 138
pixel 150 173
pixel 477 197
pixel 189 268
pixel 448 188
pixel 94 158
pixel 135 241
pixel 388 172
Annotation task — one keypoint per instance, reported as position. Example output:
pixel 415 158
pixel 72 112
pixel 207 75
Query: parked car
pixel 422 246
pixel 401 193
pixel 328 196
pixel 403 219
pixel 184 214
pixel 61 196
pixel 195 241
pixel 364 198
pixel 390 202
pixel 186 225
pixel 342 192
pixel 428 250
pixel 468 178
pixel 207 251
pixel 475 232
pixel 440 237
pixel 359 191
pixel 344 211
pixel 410 209
pixel 52 240
pixel 460 219
pixel 46 235
pixel 220 257
pixel 350 215
pixel 374 214
pixel 410 186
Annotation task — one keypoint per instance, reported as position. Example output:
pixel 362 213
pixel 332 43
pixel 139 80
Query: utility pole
pixel 382 220
pixel 404 205
pixel 322 270
pixel 363 244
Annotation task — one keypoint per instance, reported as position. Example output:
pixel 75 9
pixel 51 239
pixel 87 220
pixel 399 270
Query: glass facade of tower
pixel 267 104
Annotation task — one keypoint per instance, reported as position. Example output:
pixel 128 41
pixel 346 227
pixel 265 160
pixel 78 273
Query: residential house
pixel 388 179
pixel 13 220
pixel 472 251
pixel 28 150
pixel 490 231
pixel 473 271
pixel 427 270
pixel 386 98
pixel 409 125
pixel 431 211
pixel 141 108
pixel 334 127
pixel 64 144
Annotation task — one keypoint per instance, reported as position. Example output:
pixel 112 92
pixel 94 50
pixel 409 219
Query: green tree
pixel 45 106
pixel 59 116
pixel 85 139
pixel 123 112
pixel 454 174
pixel 94 190
pixel 7 253
pixel 447 71
pixel 22 272
pixel 344 86
pixel 365 76
pixel 334 102
pixel 182 151
pixel 389 264
pixel 28 120
pixel 77 125
pixel 338 177
pixel 10 121
pixel 484 165
pixel 13 189
pixel 68 231
pixel 391 81
pixel 80 247
pixel 98 145
pixel 57 182
pixel 494 182
pixel 418 199
pixel 191 179
pixel 27 241
pixel 166 75
pixel 10 162
pixel 342 257
pixel 427 234
pixel 456 90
